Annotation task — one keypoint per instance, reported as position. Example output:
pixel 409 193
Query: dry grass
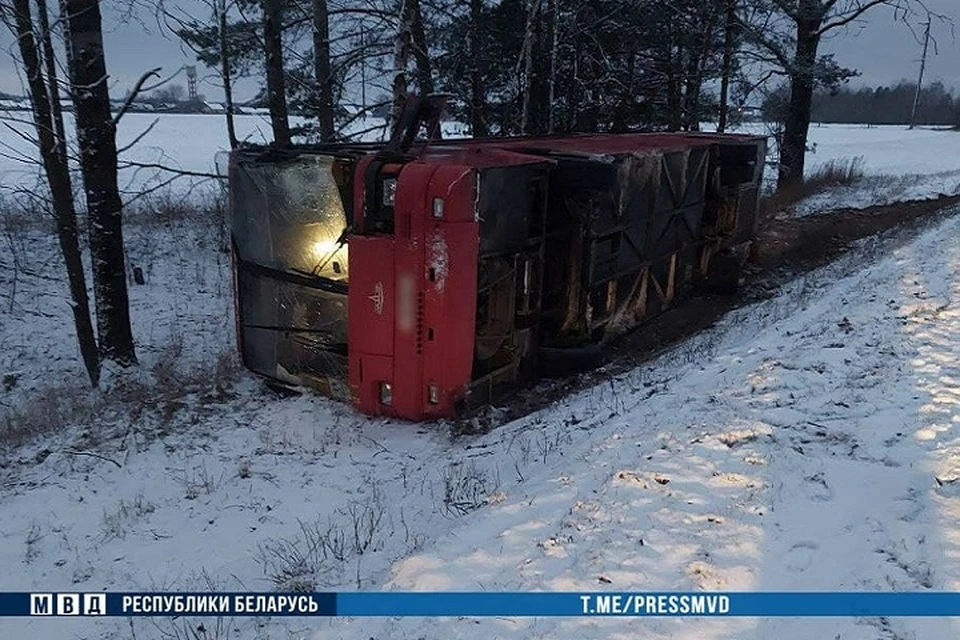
pixel 835 173
pixel 318 554
pixel 158 393
pixel 154 402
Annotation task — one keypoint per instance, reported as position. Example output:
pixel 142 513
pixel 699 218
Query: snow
pixel 807 442
pixel 797 445
pixel 186 142
pixel 898 164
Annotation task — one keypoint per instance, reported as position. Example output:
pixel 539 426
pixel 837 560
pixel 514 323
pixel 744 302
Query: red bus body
pixel 472 267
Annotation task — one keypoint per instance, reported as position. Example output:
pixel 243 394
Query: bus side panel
pixel 411 210
pixel 450 309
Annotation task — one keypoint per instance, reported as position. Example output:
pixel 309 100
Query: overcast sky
pixel 883 49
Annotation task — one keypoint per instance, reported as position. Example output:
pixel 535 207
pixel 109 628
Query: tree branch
pixel 136 91
pixel 159 167
pixel 853 15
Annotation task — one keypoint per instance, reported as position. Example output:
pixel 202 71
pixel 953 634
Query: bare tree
pixel 525 66
pixel 421 52
pixel 48 121
pixel 923 68
pixel 220 7
pixel 96 134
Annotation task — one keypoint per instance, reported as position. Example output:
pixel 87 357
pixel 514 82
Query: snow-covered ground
pixel 898 164
pixel 806 442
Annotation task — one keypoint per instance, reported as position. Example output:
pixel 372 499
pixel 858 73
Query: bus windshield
pixel 288 215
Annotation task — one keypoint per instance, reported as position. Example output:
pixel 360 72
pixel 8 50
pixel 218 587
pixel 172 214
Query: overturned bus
pixel 420 279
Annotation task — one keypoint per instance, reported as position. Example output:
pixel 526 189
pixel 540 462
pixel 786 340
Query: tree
pixel 48 121
pixel 795 49
pixel 230 47
pixel 479 44
pixel 421 51
pixel 401 59
pixel 544 66
pixel 96 134
pixel 220 10
pixel 324 74
pixel 410 38
pixel 276 84
pixel 887 105
pixel 726 74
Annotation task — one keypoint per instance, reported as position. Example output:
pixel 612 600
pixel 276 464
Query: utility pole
pixel 923 68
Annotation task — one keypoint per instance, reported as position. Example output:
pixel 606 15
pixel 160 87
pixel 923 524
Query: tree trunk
pixel 797 127
pixel 574 88
pixel 53 86
pixel 674 98
pixel 96 135
pixel 421 53
pixel 276 91
pixel 691 93
pixel 527 73
pixel 48 119
pixel 540 103
pixel 552 82
pixel 697 66
pixel 321 64
pixel 478 123
pixel 729 37
pixel 225 72
pixel 401 59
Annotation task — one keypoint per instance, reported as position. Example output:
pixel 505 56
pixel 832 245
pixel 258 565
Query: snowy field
pixel 898 164
pixel 185 142
pixel 807 442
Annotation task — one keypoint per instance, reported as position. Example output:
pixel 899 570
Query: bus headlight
pixel 386 393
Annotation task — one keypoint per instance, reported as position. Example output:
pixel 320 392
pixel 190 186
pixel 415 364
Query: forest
pixel 937 105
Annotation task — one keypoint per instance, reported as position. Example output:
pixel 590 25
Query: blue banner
pixel 530 604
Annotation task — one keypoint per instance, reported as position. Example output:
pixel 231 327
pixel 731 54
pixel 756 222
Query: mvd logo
pixel 68 604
